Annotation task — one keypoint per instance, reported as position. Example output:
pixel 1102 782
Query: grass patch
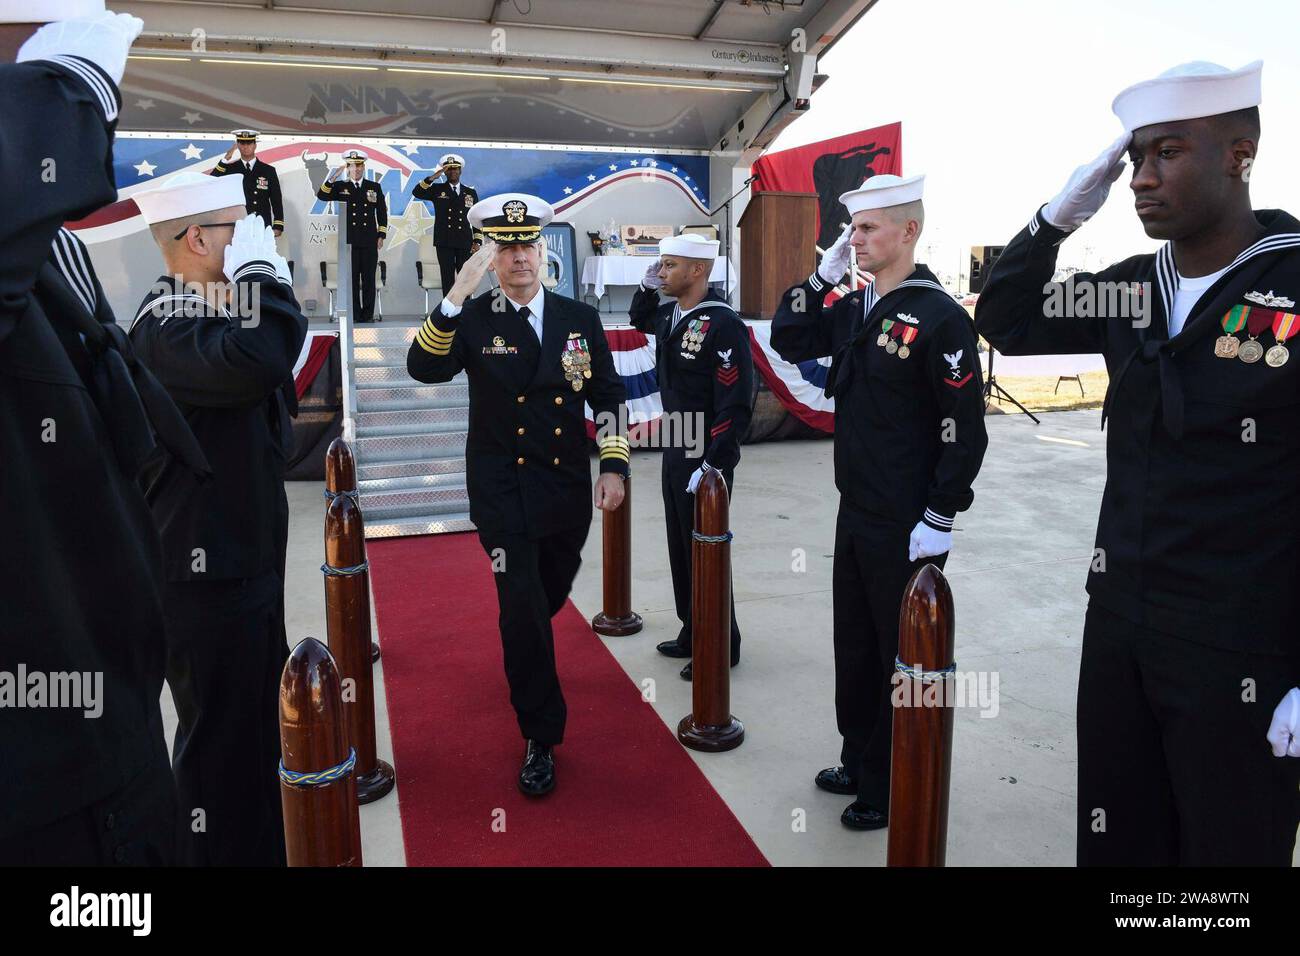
pixel 1043 393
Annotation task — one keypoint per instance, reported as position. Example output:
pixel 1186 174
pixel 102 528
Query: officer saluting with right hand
pixel 533 359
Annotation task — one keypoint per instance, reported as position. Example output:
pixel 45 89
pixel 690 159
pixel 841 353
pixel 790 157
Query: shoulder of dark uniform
pixel 572 308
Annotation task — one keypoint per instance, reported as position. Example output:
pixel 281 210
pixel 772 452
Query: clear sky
pixel 1001 99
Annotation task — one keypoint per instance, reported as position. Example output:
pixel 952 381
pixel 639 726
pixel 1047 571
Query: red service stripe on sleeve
pixel 728 376
pixel 719 429
pixel 959 382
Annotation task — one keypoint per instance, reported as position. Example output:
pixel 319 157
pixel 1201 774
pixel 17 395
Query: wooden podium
pixel 778 232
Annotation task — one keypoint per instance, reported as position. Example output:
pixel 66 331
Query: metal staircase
pixel 409 438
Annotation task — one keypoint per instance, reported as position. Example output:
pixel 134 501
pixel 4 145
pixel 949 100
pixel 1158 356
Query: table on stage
pixel 601 271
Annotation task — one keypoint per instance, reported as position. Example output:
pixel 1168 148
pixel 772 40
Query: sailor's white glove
pixel 104 39
pixel 696 476
pixel 1284 731
pixel 1088 188
pixel 926 542
pixel 651 278
pixel 253 241
pixel 835 260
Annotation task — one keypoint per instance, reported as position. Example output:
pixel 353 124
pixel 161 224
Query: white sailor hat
pixel 47 11
pixel 354 156
pixel 883 191
pixel 245 135
pixel 452 160
pixel 511 217
pixel 1189 91
pixel 689 246
pixel 188 194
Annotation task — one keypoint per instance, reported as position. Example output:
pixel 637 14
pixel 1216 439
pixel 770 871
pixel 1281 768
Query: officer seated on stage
pixel 533 359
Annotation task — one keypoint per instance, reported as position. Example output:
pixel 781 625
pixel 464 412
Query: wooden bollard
pixel 318 788
pixel 617 619
pixel 921 768
pixel 347 618
pixel 341 478
pixel 710 726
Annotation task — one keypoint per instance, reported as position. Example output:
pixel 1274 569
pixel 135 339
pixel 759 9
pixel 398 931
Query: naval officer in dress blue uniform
pixel 533 359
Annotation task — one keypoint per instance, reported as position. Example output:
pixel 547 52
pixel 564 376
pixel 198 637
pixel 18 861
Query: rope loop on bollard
pixel 354 494
pixel 924 676
pixel 331 571
pixel 319 778
pixel 711 538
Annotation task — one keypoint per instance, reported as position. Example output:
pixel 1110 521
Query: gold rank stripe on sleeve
pixel 433 340
pixel 615 446
pixel 278 222
pixel 383 229
pixel 326 187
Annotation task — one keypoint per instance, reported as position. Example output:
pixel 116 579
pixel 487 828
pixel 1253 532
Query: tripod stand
pixel 993 390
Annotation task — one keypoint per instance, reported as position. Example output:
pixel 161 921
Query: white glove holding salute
pixel 696 476
pixel 926 542
pixel 253 241
pixel 104 39
pixel 1088 188
pixel 835 260
pixel 651 278
pixel 1284 731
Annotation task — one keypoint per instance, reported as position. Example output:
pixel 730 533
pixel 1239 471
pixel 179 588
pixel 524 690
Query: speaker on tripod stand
pixel 981 260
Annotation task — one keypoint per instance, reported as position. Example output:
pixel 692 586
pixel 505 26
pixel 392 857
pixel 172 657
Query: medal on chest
pixel 1284 324
pixel 883 338
pixel 908 336
pixel 693 337
pixel 1257 320
pixel 576 360
pixel 1227 345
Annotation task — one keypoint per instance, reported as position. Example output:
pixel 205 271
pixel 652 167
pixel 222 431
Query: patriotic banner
pixel 799 388
pixel 830 168
pixel 315 350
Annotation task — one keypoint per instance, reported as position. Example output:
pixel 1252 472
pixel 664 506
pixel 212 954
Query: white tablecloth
pixel 601 271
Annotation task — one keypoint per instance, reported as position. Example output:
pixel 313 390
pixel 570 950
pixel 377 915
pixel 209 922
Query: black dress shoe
pixel 859 816
pixel 537 775
pixel 686 674
pixel 836 780
pixel 673 649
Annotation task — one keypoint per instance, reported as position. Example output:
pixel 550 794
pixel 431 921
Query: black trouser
pixel 533 577
pixel 1174 767
pixel 450 259
pixel 869 576
pixel 135 826
pixel 226 650
pixel 679 518
pixel 365 259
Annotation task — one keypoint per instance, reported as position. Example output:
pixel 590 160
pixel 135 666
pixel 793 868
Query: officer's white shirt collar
pixel 534 309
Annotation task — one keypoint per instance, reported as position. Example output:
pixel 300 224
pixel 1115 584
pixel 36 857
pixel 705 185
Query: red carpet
pixel 627 794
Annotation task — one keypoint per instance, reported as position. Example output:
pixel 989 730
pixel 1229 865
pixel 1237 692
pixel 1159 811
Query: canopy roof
pixel 722 75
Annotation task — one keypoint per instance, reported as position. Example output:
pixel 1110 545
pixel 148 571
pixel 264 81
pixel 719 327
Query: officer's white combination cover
pixel 1189 91
pixel 689 246
pixel 883 191
pixel 188 194
pixel 47 11
pixel 451 159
